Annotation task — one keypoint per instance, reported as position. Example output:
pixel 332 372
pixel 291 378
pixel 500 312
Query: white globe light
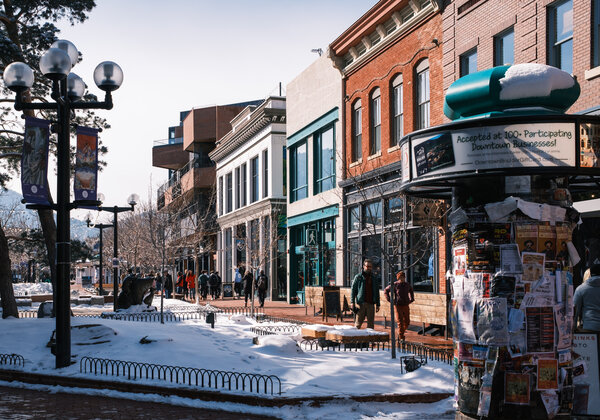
pixel 69 48
pixel 108 76
pixel 133 199
pixel 55 64
pixel 18 76
pixel 75 86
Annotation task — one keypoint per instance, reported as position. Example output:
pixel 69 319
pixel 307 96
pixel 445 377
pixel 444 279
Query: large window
pixel 372 215
pixel 324 160
pixel 229 192
pixel 299 174
pixel 375 111
pixel 560 35
pixel 596 33
pixel 504 48
pixel 228 256
pixel 354 259
pixel 393 210
pixel 220 195
pixel 354 218
pixel 397 111
pixel 254 179
pixel 468 62
pixel 244 187
pixel 422 95
pixel 421 243
pixel 356 131
pixel 238 188
pixel 265 173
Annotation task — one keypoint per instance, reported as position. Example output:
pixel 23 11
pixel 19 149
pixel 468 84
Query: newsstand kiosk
pixel 509 164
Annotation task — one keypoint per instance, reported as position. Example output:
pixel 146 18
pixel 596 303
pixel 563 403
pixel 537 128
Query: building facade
pixel 251 194
pixel 391 60
pixel 188 196
pixel 560 33
pixel 315 222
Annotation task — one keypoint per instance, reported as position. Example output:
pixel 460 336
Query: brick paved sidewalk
pixel 300 312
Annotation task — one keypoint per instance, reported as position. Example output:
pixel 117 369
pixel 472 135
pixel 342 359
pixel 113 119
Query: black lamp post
pixel 67 89
pixel 132 200
pixel 100 226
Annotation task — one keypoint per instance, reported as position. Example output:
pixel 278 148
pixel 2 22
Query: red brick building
pixel 391 63
pixel 480 34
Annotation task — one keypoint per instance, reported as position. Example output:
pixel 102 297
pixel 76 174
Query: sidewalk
pixel 282 309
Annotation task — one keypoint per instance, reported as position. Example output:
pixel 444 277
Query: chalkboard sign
pixel 331 301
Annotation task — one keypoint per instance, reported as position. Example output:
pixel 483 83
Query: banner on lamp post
pixel 34 161
pixel 86 164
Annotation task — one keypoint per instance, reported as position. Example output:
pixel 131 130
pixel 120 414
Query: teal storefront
pixel 312 250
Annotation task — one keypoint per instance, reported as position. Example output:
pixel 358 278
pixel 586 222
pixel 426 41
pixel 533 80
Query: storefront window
pixel 372 215
pixel 421 250
pixel 354 259
pixel 240 245
pixel 393 210
pixel 228 255
pixel 354 218
pixel 372 250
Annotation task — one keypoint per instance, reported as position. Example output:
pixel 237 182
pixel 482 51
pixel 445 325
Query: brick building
pixel 391 64
pixel 480 34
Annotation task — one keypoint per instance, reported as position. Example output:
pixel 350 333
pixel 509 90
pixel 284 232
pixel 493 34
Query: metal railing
pixel 322 344
pixel 28 314
pixel 276 329
pixel 428 352
pixel 12 359
pixel 205 378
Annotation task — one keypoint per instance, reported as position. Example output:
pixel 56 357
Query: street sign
pixel 311 237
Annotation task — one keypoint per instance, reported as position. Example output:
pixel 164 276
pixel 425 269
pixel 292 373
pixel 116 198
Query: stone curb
pixel 205 395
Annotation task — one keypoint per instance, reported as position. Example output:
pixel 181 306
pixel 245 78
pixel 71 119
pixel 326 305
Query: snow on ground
pixel 28 289
pixel 229 346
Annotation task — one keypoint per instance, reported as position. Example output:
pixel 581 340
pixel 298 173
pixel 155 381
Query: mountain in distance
pixel 14 213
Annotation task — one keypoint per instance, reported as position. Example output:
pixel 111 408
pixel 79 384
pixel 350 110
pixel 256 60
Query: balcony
pixel 198 173
pixel 169 153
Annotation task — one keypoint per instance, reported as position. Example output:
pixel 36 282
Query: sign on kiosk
pixel 494 147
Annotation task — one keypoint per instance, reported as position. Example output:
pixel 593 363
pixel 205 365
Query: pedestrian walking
pixel 203 280
pixel 219 285
pixel 237 285
pixel 587 301
pixel 179 284
pixel 248 280
pixel 190 280
pixel 168 287
pixel 213 283
pixel 262 283
pixel 365 293
pixel 403 296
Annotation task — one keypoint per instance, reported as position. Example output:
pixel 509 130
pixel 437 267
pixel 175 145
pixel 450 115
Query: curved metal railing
pixel 12 359
pixel 252 382
pixel 276 329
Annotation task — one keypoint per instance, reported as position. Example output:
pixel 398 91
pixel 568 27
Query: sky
pixel 182 54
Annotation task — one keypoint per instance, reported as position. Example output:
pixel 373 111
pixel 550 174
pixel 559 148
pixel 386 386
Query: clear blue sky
pixel 181 54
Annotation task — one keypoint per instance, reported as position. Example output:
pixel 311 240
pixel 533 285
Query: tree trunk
pixel 49 230
pixel 7 294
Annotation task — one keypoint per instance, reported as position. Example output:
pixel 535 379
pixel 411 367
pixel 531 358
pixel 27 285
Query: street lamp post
pixel 100 226
pixel 132 200
pixel 67 89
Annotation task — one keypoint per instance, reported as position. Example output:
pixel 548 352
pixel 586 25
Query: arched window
pixel 422 86
pixel 375 113
pixel 397 110
pixel 356 131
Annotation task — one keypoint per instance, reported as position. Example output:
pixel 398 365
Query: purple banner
pixel 34 161
pixel 86 164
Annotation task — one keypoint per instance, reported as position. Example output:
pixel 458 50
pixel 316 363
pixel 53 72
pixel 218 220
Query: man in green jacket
pixel 365 293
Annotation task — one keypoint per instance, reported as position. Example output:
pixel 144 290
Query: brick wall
pixel 476 27
pixel 401 57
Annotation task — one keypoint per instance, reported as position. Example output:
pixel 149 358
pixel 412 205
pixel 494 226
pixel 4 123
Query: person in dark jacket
pixel 365 293
pixel 203 282
pixel 403 296
pixel 587 301
pixel 262 283
pixel 248 280
pixel 214 282
pixel 168 285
